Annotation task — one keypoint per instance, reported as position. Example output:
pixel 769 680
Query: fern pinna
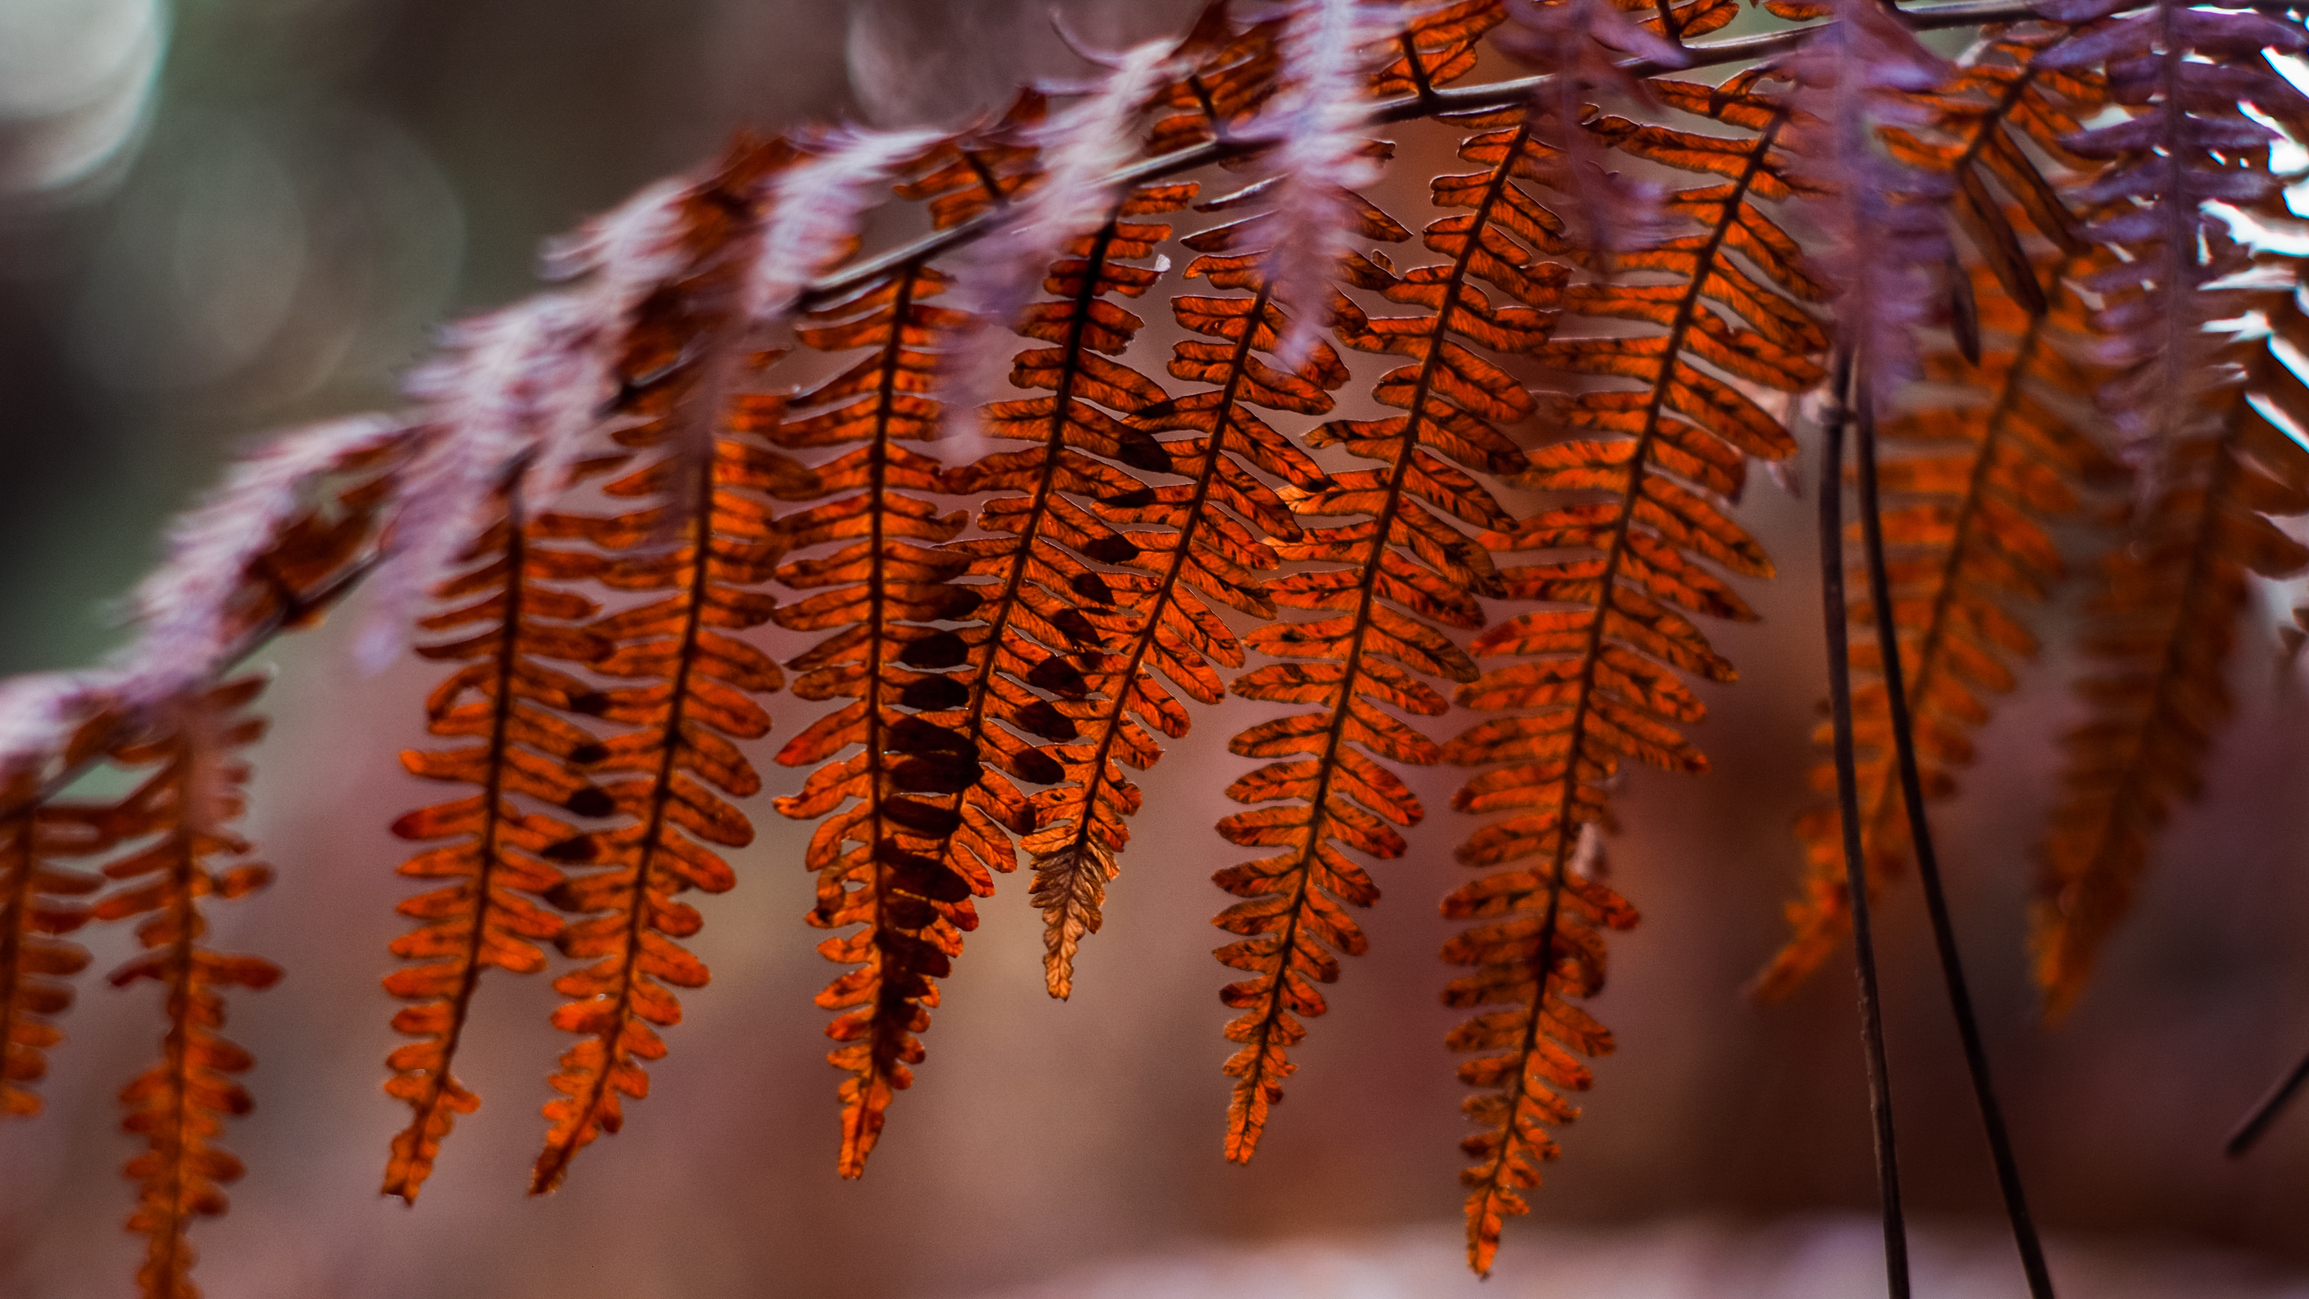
pixel 185 811
pixel 1602 678
pixel 880 595
pixel 517 619
pixel 722 422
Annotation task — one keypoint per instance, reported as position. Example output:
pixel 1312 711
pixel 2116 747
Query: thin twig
pixel 1848 805
pixel 1928 865
pixel 2267 1111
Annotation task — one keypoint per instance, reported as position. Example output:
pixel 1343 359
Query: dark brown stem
pixel 2267 1111
pixel 1928 863
pixel 1848 808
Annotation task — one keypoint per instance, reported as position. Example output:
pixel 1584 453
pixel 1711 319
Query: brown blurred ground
pixel 413 153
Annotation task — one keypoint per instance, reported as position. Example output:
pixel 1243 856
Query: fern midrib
pixel 491 849
pixel 1181 552
pixel 555 1163
pixel 1367 595
pixel 1030 529
pixel 2188 621
pixel 877 603
pixel 1703 265
pixel 183 986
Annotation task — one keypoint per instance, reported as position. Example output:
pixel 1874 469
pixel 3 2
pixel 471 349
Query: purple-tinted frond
pixel 1318 121
pixel 184 608
pixel 1886 244
pixel 816 208
pixel 38 712
pixel 1580 45
pixel 1082 147
pixel 2187 73
pixel 505 392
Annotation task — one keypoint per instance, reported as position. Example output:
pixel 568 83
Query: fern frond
pixel 1409 571
pixel 1885 242
pixel 1081 146
pixel 2189 71
pixel 1970 505
pixel 518 617
pixel 1681 19
pixel 180 1104
pixel 696 697
pixel 879 595
pixel 815 208
pixel 970 173
pixel 1584 48
pixel 40 899
pixel 246 556
pixel 2163 624
pixel 1159 620
pixel 1603 681
pixel 1321 156
pixel 1235 70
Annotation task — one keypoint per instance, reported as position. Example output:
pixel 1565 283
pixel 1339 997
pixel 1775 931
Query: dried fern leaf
pixel 39 904
pixel 266 552
pixel 1971 491
pixel 1032 630
pixel 1602 680
pixel 878 597
pixel 2188 72
pixel 1392 579
pixel 1158 619
pixel 2163 625
pixel 185 810
pixel 698 683
pixel 512 617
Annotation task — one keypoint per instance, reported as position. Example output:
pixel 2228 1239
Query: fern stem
pixel 1833 607
pixel 1439 99
pixel 2266 1111
pixel 295 614
pixel 2008 1181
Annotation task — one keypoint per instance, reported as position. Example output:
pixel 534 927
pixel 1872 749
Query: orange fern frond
pixel 1031 630
pixel 1971 491
pixel 44 719
pixel 702 587
pixel 2163 623
pixel 1603 678
pixel 1409 571
pixel 179 1105
pixel 517 616
pixel 879 596
pixel 39 903
pixel 1159 621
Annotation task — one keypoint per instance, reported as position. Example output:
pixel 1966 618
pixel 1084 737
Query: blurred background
pixel 218 216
